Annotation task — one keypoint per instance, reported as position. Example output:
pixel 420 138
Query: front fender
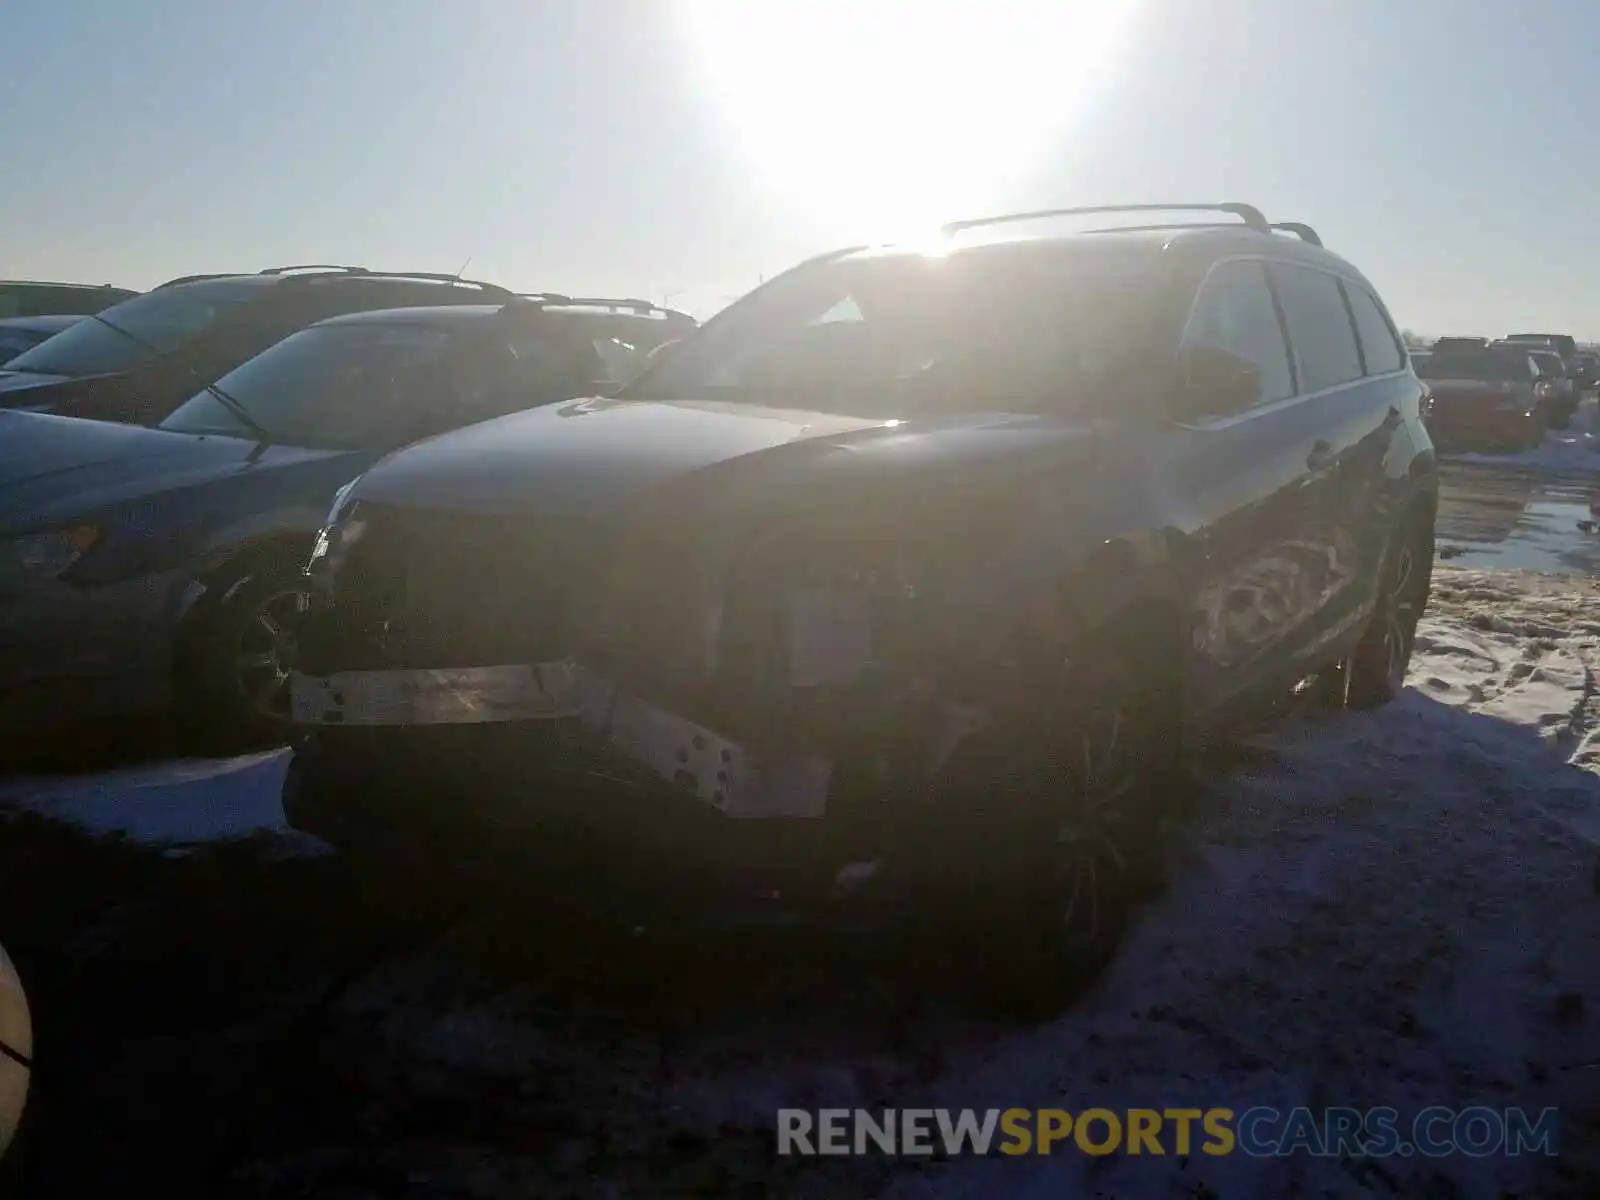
pixel 289 527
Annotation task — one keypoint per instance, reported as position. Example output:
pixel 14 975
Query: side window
pixel 1234 312
pixel 1319 326
pixel 1379 346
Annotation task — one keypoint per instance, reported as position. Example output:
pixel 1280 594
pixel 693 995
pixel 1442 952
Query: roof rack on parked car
pixel 1302 231
pixel 323 271
pixel 314 267
pixel 641 308
pixel 1164 226
pixel 198 278
pixel 1248 213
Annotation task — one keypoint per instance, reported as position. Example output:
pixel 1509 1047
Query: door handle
pixel 1321 456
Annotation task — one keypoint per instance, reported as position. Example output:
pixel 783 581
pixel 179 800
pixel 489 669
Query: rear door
pixel 1239 480
pixel 1356 387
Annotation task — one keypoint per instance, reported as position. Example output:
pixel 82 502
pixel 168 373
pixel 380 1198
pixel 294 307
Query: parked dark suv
pixel 138 360
pixel 914 567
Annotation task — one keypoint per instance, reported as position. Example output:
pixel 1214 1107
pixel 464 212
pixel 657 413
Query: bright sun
pixel 886 117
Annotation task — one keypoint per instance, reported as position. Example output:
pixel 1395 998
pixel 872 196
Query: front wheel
pixel 1044 833
pixel 235 658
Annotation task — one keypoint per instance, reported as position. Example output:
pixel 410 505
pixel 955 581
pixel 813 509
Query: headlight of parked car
pixel 53 552
pixel 338 533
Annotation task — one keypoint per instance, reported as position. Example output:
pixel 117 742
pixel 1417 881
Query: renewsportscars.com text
pixel 1260 1132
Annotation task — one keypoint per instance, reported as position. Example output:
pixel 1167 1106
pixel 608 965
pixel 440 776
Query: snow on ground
pixel 1394 908
pixel 177 803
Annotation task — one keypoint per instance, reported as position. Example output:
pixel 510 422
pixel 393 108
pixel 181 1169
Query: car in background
pixel 1563 344
pixel 149 568
pixel 34 298
pixel 1485 398
pixel 1586 369
pixel 1459 343
pixel 136 361
pixel 926 564
pixel 18 334
pixel 1562 390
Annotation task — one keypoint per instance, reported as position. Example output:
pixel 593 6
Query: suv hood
pixel 51 464
pixel 596 455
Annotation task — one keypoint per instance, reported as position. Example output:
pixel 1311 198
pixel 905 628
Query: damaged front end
pixel 812 671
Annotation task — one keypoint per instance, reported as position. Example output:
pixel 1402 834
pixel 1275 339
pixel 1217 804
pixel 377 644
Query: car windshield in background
pixel 157 321
pixel 332 387
pixel 909 333
pixel 1481 366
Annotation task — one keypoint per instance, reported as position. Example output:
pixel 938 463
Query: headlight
pixel 340 499
pixel 54 551
pixel 339 532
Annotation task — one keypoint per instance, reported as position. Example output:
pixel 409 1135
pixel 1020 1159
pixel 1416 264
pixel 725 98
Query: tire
pixel 1375 672
pixel 231 685
pixel 1025 893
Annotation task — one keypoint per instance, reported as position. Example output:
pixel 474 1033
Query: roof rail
pixel 561 300
pixel 199 278
pixel 436 277
pixel 1159 228
pixel 320 271
pixel 1304 232
pixel 314 267
pixel 1249 214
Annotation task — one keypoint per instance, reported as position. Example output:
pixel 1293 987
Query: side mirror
pixel 1213 382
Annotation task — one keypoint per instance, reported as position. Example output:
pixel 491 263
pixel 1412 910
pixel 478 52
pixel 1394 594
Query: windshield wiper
pixel 237 410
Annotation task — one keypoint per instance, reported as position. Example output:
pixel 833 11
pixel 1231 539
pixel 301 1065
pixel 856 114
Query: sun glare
pixel 883 118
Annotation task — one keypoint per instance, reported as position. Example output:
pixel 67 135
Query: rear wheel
pixel 1375 672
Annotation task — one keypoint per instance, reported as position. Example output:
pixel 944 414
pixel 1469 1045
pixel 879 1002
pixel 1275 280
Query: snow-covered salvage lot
pixel 1399 908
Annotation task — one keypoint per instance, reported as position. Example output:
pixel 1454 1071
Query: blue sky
pixel 1447 147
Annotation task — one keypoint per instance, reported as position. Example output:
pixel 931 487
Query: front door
pixel 1242 484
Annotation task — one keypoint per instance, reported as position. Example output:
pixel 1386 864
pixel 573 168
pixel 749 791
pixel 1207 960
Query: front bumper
pixel 603 720
pixel 75 653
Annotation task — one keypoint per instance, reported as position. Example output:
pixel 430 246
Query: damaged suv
pixel 911 573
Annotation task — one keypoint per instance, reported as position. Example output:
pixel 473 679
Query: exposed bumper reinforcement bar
pixel 723 773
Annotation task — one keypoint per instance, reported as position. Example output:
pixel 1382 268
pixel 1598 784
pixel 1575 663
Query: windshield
pixel 1482 366
pixel 160 320
pixel 976 331
pixel 331 387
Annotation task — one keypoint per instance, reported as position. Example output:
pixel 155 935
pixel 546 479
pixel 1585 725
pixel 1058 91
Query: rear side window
pixel 1234 312
pixel 1319 326
pixel 1379 345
